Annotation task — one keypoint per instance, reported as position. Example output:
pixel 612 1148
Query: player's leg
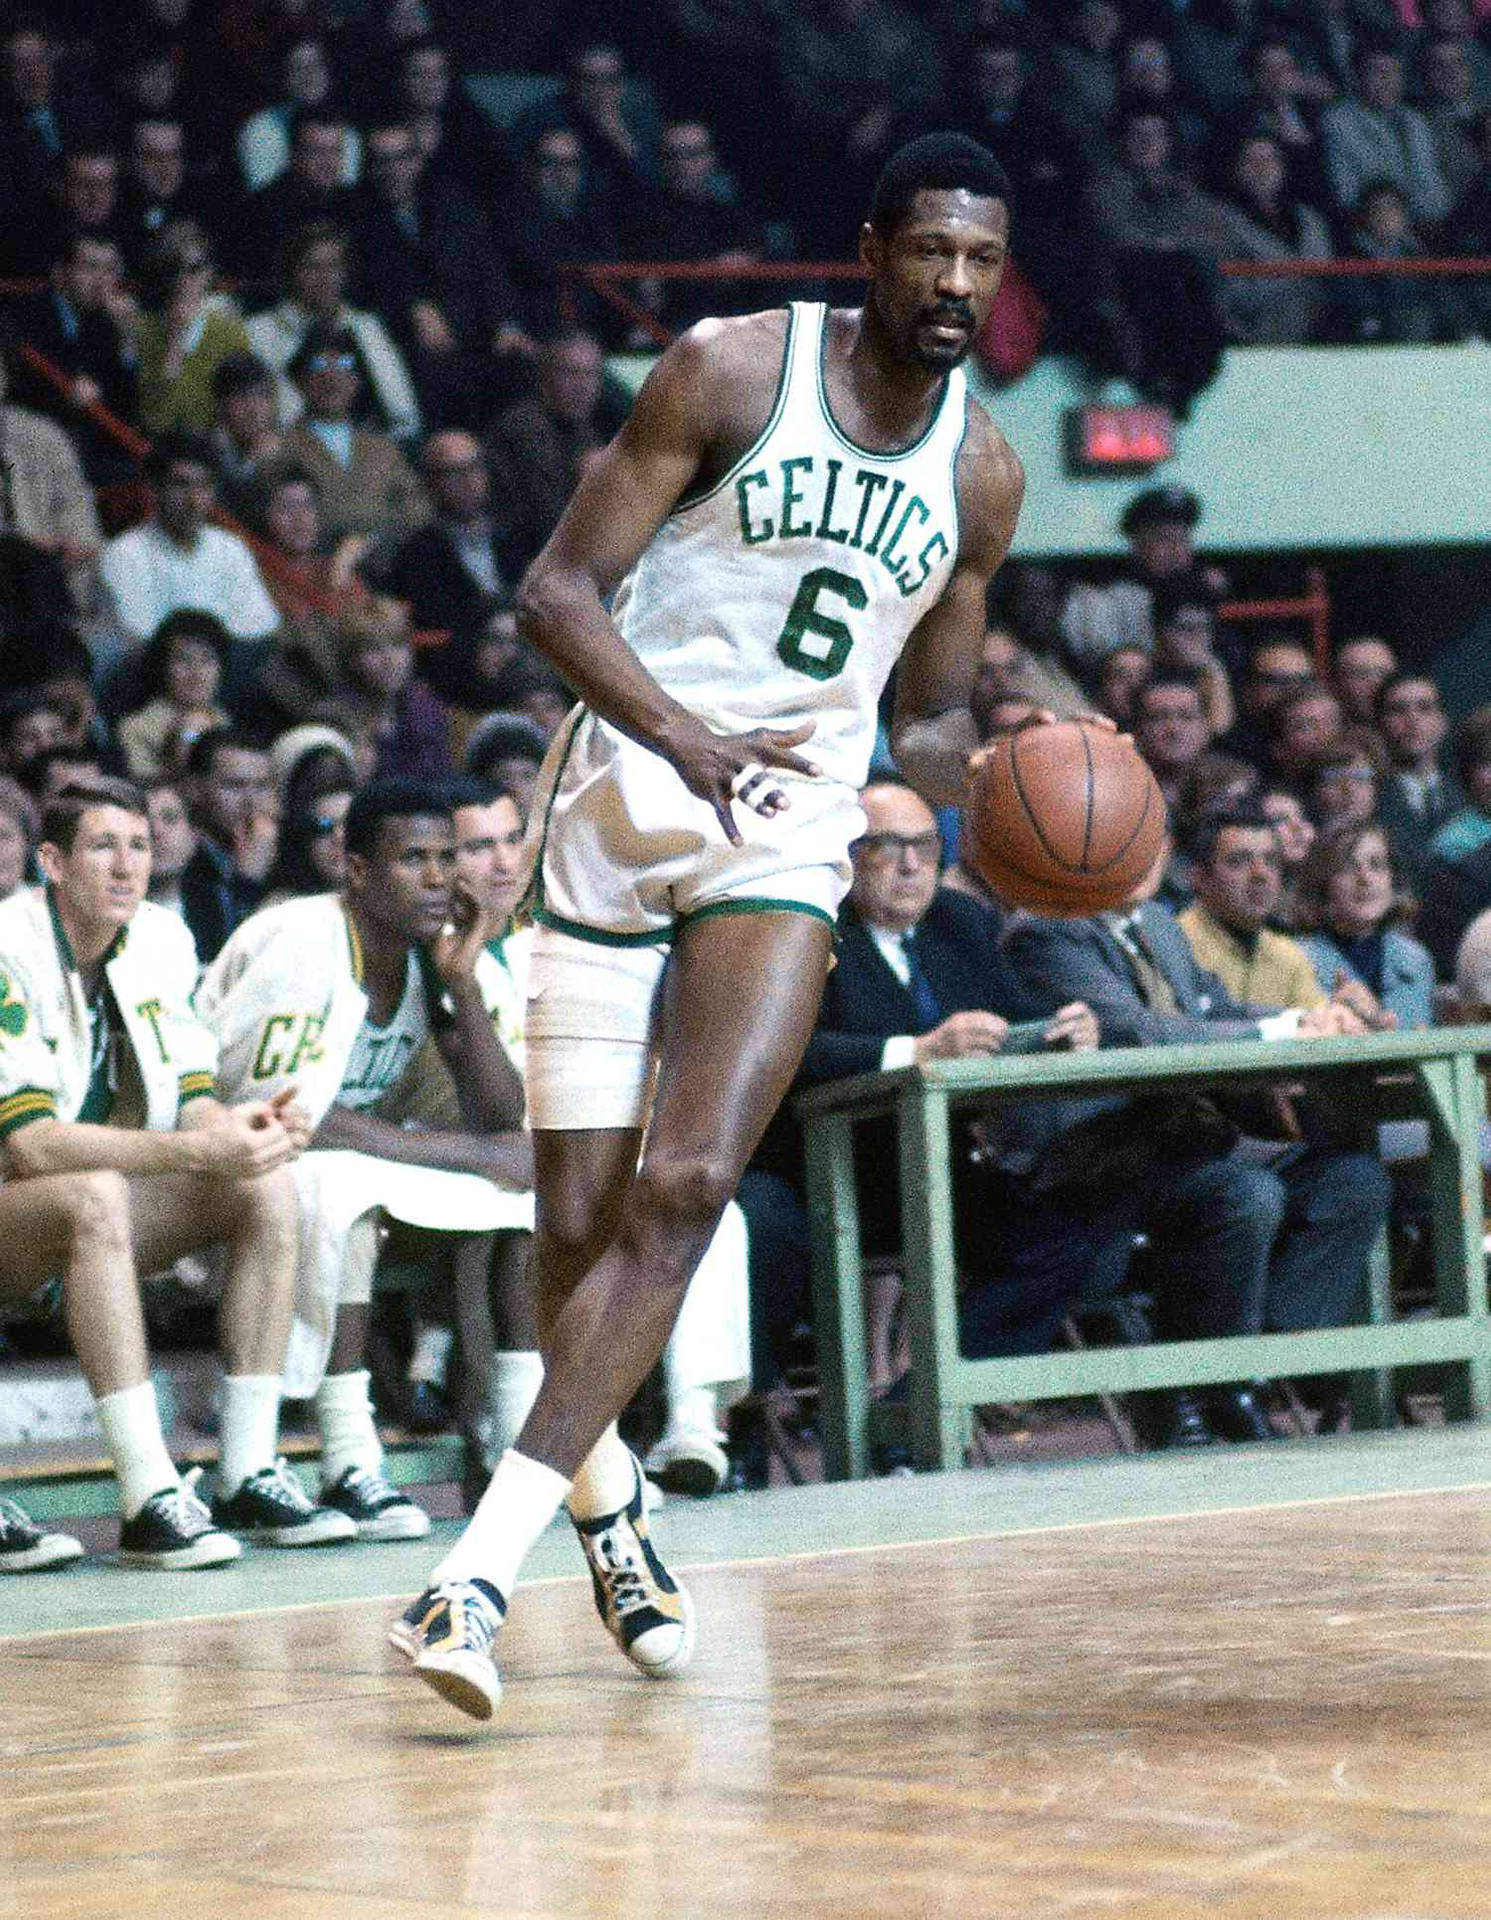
pixel 741 996
pixel 257 1221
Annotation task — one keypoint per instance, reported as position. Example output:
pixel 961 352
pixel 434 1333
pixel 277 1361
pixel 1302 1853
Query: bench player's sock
pixel 605 1479
pixel 521 1499
pixel 344 1412
pixel 250 1427
pixel 430 1360
pixel 515 1380
pixel 130 1420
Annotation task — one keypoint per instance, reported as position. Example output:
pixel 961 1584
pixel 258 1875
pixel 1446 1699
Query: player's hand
pixel 727 769
pixel 1074 1025
pixel 1357 995
pixel 1320 1023
pixel 456 947
pixel 242 1142
pixel 292 1116
pixel 960 1035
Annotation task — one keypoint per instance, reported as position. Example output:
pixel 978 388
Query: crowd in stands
pixel 319 399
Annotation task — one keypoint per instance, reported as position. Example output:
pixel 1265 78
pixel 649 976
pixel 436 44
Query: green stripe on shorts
pixel 598 936
pixel 757 904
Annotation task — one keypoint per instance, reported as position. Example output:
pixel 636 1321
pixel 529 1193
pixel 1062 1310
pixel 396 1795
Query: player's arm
pixel 233 1143
pixel 489 1088
pixel 506 1157
pixel 683 410
pixel 932 732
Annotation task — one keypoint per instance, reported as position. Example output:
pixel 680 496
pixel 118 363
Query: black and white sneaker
pixel 645 1611
pixel 448 1633
pixel 24 1548
pixel 273 1509
pixel 174 1530
pixel 375 1506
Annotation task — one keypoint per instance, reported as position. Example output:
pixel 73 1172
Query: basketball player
pixel 798 501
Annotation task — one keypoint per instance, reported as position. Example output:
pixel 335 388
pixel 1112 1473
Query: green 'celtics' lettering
pixel 752 535
pixel 890 506
pixel 280 1051
pixel 804 618
pixel 869 485
pixel 889 557
pixel 150 1010
pixel 792 497
pixel 12 1010
pixel 826 530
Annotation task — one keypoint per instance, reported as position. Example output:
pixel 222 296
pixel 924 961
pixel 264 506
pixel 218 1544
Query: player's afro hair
pixel 937 162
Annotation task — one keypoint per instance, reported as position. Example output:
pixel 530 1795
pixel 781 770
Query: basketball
pixel 1064 819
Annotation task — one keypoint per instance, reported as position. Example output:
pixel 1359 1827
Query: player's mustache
pixel 949 313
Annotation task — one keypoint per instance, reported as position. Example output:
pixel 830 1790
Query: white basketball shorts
pixel 623 857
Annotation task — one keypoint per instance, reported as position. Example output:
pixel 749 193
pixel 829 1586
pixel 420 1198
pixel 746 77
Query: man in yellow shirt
pixel 1238 879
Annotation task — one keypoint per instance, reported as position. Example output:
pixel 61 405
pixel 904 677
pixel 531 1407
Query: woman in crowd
pixel 1122 671
pixel 378 703
pixel 186 330
pixel 1267 223
pixel 1353 914
pixel 1346 781
pixel 183 669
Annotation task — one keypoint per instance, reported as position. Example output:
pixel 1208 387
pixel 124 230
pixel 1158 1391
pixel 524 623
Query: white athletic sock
pixel 605 1479
pixel 250 1429
pixel 511 1391
pixel 431 1356
pixel 695 1410
pixel 131 1423
pixel 344 1413
pixel 520 1501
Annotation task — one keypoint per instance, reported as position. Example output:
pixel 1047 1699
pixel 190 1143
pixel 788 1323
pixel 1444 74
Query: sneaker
pixel 448 1633
pixel 375 1507
pixel 645 1611
pixel 24 1548
pixel 273 1509
pixel 689 1461
pixel 174 1530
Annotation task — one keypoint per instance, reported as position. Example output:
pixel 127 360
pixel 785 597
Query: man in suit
pixel 1420 795
pixel 81 324
pixel 449 571
pixel 1297 1218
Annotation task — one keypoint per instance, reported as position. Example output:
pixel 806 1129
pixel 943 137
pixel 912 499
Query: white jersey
pixel 787 591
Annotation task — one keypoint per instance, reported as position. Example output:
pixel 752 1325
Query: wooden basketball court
pixel 1253 1683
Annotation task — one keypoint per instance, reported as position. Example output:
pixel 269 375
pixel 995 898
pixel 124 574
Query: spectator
pixel 1452 108
pixel 1371 136
pixel 314 275
pixel 1472 968
pixel 430 271
pixel 44 111
pixel 1185 633
pixel 173 841
pixel 1237 873
pixel 62 671
pixel 87 197
pixel 378 702
pixel 312 759
pixel 1084 72
pixel 309 588
pixel 245 437
pixel 1343 788
pixel 186 331
pixel 612 115
pixel 848 71
pixel 1470 828
pixel 1166 237
pixel 29 725
pixel 1121 674
pixel 1159 524
pixel 159 189
pixel 1419 796
pixel 176 560
pixel 539 447
pixel 1468 233
pixel 85 325
pixel 1355 914
pixel 508 750
pixel 1213 780
pixel 227 792
pixel 183 668
pixel 262 143
pixel 45 499
pixel 1270 224
pixel 310 188
pixel 450 569
pixel 60 767
pixel 1303 724
pixel 1146 74
pixel 367 487
pixel 1276 666
pixel 1454 21
pixel 1030 657
pixel 312 855
pixel 1305 1219
pixel 554 214
pixel 1170 727
pixel 1453 893
pixel 1276 107
pixel 18 834
pixel 1360 666
pixel 1391 309
pixel 464 153
pixel 690 215
pixel 1285 812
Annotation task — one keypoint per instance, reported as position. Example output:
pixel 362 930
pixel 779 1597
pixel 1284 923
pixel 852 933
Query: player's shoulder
pixel 987 458
pixel 720 362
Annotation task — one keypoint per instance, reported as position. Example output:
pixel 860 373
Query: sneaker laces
pixel 625 1573
pixel 181 1507
pixel 14 1519
pixel 287 1483
pixel 471 1617
pixel 368 1484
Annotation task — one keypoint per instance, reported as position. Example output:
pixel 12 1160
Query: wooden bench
pixel 1430 1074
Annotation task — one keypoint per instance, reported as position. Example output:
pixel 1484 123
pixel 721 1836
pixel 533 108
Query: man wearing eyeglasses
pixel 367 486
pixel 1420 795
